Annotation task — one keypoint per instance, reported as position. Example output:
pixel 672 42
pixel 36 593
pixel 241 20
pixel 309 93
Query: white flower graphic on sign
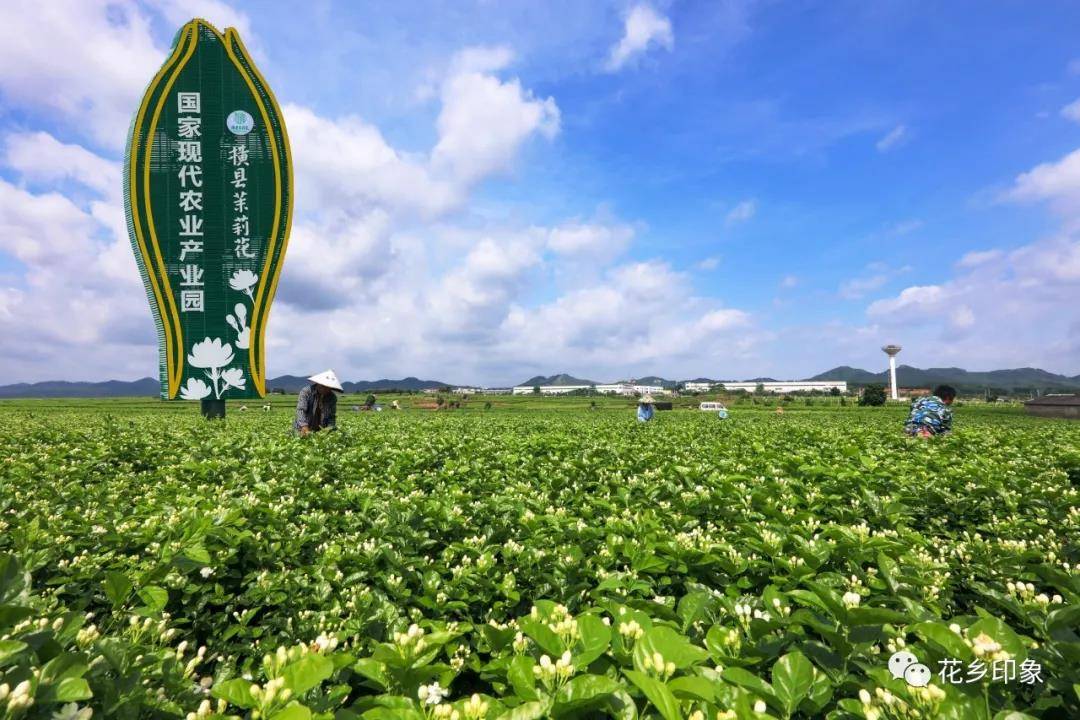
pixel 195 389
pixel 212 356
pixel 239 324
pixel 233 377
pixel 243 281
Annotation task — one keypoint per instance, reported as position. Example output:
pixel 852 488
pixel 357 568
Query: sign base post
pixel 213 409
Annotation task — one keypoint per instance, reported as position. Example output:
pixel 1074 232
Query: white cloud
pixel 741 212
pixel 483 123
pixel 86 62
pixel 1056 182
pixel 595 241
pixel 893 138
pixel 1072 111
pixel 858 287
pixel 904 227
pixel 1016 311
pixel 481 59
pixel 640 314
pixel 916 302
pixel 484 120
pixel 43 231
pixel 39 157
pixel 709 263
pixel 962 318
pixel 643 28
pixel 474 298
pixel 789 281
pixel 346 163
pixel 1004 309
pixel 978 257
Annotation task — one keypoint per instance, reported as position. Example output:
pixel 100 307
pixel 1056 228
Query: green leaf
pixel 384 713
pixel 526 711
pixel 746 679
pixel 521 677
pixel 64 665
pixel 820 694
pixel 792 677
pixel 692 687
pixel 876 616
pixel 117 587
pixel 236 691
pixel 939 634
pixel 1062 618
pixel 829 599
pixel 156 598
pixel 1013 715
pixel 294 711
pixel 373 670
pixel 692 607
pixel 197 553
pixel 71 689
pixel 582 693
pixel 307 672
pixel 542 635
pixel 13 579
pixel 595 640
pixel 657 693
pixel 887 569
pixel 9 649
pixel 674 647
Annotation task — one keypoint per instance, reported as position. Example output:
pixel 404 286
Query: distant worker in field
pixel 931 415
pixel 645 409
pixel 316 408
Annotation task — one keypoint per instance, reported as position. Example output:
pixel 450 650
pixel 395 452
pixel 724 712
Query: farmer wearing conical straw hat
pixel 316 408
pixel 645 408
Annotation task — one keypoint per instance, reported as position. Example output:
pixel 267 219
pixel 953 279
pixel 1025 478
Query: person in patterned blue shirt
pixel 316 406
pixel 931 415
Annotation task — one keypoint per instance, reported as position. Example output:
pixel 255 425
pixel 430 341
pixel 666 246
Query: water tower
pixel 891 351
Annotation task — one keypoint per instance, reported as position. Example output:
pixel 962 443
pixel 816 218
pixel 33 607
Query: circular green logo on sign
pixel 239 122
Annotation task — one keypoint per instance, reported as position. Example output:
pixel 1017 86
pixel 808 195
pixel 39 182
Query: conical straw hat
pixel 328 379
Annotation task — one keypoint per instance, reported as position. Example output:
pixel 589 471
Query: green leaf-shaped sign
pixel 208 194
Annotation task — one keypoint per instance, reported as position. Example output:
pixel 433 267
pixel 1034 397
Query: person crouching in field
pixel 316 408
pixel 645 409
pixel 931 415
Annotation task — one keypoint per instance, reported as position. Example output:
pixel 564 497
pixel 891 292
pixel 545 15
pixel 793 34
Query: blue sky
pixel 727 189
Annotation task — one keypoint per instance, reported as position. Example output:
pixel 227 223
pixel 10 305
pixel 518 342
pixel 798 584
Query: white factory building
pixel 627 388
pixel 698 386
pixel 550 389
pixel 778 386
pixel 630 389
pixel 606 389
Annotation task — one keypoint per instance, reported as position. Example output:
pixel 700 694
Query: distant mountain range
pixel 912 377
pixel 149 387
pixel 59 388
pixel 1016 380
